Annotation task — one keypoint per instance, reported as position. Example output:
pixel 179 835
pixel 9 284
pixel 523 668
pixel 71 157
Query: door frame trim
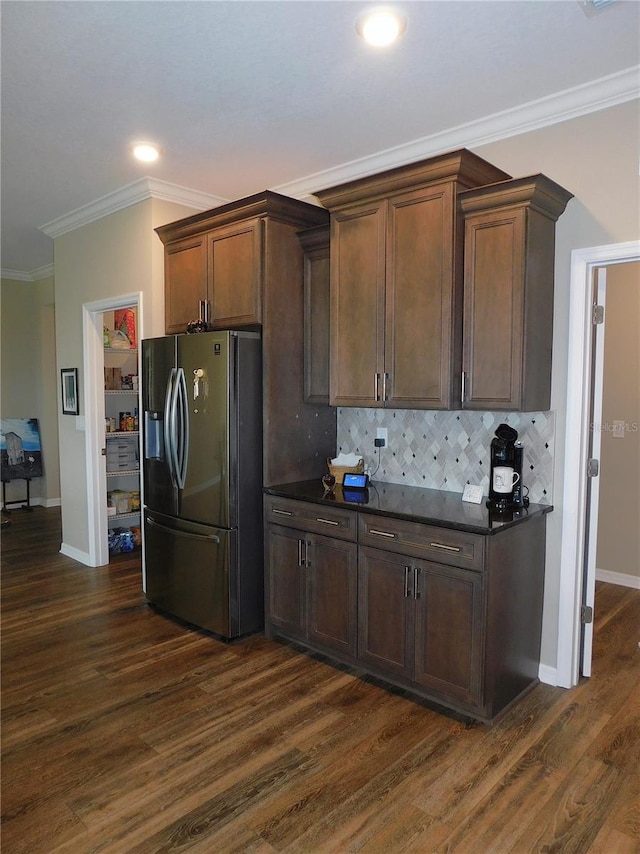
pixel 93 371
pixel 576 448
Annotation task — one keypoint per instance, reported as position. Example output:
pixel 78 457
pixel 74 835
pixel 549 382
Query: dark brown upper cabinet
pixel 219 262
pixel 396 283
pixel 315 246
pixel 185 282
pixel 508 293
pixel 242 265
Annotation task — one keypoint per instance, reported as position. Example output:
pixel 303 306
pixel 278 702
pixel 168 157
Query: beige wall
pixel 28 375
pixel 596 158
pixel 619 506
pixel 117 255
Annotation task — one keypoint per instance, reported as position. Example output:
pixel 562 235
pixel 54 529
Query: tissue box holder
pixel 339 471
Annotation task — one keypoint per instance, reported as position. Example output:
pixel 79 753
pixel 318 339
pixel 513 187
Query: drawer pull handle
pixel 382 533
pixel 277 512
pixel 446 548
pixel 327 521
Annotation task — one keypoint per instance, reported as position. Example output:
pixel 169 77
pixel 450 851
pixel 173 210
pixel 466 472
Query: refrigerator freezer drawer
pixel 190 572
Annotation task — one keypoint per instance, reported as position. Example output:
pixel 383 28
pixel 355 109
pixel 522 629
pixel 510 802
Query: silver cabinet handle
pixel 376 386
pixel 203 310
pixel 416 582
pixel 445 547
pixel 385 377
pixel 277 512
pixel 327 521
pixel 301 561
pixel 463 383
pixel 382 534
pixel 407 587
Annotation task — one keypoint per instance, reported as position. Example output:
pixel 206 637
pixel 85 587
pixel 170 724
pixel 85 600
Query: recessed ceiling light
pixel 381 27
pixel 147 152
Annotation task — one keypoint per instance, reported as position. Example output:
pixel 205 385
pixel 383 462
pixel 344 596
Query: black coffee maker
pixel 505 477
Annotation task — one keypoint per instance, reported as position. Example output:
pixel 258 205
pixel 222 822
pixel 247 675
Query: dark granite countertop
pixel 432 506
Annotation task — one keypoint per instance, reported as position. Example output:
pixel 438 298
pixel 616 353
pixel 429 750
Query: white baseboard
pixel 40 502
pixel 75 554
pixel 548 675
pixel 620 578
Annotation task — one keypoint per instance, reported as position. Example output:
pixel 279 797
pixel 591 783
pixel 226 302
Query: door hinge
pixel 597 316
pixel 586 614
pixel 593 468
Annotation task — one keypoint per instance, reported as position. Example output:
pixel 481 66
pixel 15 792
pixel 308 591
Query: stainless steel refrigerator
pixel 202 479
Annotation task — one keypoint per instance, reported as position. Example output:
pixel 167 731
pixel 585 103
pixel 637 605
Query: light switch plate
pixel 472 493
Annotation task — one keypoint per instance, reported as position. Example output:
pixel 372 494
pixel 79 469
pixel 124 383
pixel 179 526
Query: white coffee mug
pixel 504 479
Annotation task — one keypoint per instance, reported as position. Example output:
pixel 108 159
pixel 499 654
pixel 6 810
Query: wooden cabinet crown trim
pixel 535 191
pixel 315 239
pixel 462 166
pixel 264 204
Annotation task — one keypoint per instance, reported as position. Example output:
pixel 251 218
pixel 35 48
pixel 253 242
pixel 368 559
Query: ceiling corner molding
pixel 562 106
pixel 131 194
pixel 15 275
pixel 42 273
pixel 33 276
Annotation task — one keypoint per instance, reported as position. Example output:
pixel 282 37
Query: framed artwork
pixel 20 451
pixel 70 403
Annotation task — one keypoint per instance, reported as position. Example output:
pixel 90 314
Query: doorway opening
pixel 93 322
pixel 575 530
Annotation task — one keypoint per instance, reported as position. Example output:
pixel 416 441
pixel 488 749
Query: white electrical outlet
pixel 381 433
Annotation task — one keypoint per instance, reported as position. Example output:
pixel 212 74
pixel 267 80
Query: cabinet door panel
pixel 185 282
pixel 357 305
pixel 493 330
pixel 419 336
pixel 332 606
pixel 286 582
pixel 385 613
pixel 316 324
pixel 448 632
pixel 235 274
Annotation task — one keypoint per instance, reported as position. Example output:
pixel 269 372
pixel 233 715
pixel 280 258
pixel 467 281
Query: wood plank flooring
pixel 122 731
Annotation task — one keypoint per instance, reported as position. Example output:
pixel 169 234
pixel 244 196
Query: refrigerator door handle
pixel 169 426
pixel 182 428
pixel 178 533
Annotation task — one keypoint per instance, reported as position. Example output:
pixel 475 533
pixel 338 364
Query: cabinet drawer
pixel 315 518
pixel 455 548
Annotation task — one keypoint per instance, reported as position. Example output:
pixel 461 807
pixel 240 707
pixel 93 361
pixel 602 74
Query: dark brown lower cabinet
pixel 421 621
pixel 312 589
pixel 452 616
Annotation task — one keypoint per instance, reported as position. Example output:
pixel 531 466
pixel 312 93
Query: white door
pixel 593 480
pixel 572 584
pixel 93 357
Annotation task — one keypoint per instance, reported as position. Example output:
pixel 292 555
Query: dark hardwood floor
pixel 122 731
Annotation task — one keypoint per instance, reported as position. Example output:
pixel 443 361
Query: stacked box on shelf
pixel 122 454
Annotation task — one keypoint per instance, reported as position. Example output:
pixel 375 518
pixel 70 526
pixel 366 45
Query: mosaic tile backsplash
pixel 446 450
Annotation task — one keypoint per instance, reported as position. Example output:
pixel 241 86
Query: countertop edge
pixel 293 491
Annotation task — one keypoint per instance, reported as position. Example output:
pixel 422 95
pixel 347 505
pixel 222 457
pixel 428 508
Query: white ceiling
pixel 244 96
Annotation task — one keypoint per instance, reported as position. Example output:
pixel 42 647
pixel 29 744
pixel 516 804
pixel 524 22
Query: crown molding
pixel 562 106
pixel 34 276
pixel 131 194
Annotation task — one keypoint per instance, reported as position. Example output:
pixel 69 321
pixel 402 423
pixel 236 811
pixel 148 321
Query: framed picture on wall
pixel 70 403
pixel 20 451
